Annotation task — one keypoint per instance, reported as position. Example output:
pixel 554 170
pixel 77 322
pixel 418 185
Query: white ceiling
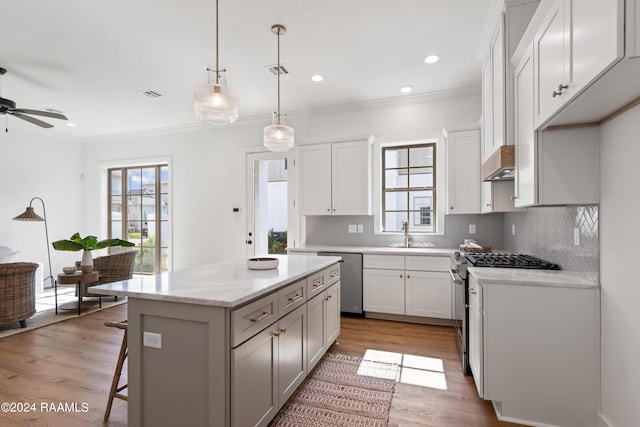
pixel 89 59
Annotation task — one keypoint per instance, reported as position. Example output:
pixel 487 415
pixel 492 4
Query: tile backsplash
pixel 332 230
pixel 545 232
pixel 548 233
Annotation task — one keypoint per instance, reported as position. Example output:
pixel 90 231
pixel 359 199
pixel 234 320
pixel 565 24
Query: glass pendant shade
pixel 216 104
pixel 278 137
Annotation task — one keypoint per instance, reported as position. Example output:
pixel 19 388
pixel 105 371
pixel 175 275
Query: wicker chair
pixel 114 267
pixel 17 292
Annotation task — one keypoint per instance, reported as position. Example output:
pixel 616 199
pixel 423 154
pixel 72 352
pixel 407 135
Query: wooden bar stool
pixel 115 388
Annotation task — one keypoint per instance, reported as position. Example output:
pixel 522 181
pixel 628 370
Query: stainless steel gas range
pixel 459 264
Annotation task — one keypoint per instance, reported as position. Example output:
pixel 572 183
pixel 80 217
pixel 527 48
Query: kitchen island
pixel 204 342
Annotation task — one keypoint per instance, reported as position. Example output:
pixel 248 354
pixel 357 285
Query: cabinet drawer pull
pixel 315 285
pixel 275 334
pixel 334 274
pixel 282 331
pixel 295 298
pixel 260 318
pixel 561 87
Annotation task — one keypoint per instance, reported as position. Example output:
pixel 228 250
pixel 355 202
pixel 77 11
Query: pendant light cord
pixel 217 43
pixel 279 71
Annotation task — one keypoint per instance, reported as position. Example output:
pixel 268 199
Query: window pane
pixel 393 220
pixel 396 158
pixel 395 179
pixel 116 182
pixel 421 221
pixel 116 229
pixel 421 200
pixel 164 260
pixel 421 156
pixel 396 201
pixel 148 180
pixel 422 177
pixel 145 260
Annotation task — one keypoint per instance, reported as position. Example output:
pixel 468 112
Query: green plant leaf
pixel 89 243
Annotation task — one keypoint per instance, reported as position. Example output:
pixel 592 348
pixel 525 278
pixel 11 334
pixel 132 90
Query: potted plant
pixel 87 244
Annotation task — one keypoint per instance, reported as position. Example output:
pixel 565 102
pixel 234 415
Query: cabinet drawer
pixel 320 281
pixel 250 319
pixel 427 263
pixel 292 296
pixel 387 262
pixel 333 274
pixel 317 283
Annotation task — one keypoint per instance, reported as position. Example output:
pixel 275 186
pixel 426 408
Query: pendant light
pixel 217 103
pixel 278 137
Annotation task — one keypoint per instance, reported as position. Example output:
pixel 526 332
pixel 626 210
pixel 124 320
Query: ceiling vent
pixel 150 93
pixel 273 69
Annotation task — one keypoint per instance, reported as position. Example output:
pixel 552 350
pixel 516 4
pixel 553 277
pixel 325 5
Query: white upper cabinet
pixel 525 131
pixel 335 179
pixel 553 167
pixel 463 171
pixel 497 79
pixel 575 43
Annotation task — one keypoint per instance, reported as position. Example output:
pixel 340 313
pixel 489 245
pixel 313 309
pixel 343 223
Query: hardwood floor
pixel 71 363
pixel 456 406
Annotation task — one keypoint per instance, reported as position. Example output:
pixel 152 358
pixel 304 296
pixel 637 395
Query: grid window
pixel 409 188
pixel 139 212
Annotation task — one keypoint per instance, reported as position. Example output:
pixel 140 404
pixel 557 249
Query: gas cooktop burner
pixel 509 261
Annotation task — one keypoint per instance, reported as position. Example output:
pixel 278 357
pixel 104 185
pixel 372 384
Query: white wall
pixel 208 163
pixel 36 163
pixel 619 208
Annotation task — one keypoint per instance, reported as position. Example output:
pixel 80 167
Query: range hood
pixel 500 166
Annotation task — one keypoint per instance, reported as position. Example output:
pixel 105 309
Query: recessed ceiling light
pixel 406 89
pixel 432 59
pixel 317 78
pixel 71 125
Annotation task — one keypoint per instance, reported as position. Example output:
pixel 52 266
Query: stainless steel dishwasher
pixel 350 282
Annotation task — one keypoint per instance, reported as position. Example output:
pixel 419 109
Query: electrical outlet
pixel 472 229
pixel 151 339
pixel 576 236
pixel 360 228
pixel 353 228
pixel 513 229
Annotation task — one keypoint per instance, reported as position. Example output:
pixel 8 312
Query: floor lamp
pixel 30 215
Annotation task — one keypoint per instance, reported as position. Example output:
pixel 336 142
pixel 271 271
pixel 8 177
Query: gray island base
pixel 222 345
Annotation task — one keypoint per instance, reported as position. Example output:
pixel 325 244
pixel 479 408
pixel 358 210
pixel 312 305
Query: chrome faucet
pixel 405 228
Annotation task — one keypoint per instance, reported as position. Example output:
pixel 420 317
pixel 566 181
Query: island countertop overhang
pixel 224 284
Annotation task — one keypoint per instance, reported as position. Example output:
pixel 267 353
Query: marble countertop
pixel 552 278
pixel 379 250
pixel 223 284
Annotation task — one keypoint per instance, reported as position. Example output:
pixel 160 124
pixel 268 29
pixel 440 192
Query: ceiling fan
pixel 8 106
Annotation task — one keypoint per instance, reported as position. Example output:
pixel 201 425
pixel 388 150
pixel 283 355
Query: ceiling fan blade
pixel 31 120
pixel 41 113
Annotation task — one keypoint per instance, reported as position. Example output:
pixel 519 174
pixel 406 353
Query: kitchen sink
pixel 416 245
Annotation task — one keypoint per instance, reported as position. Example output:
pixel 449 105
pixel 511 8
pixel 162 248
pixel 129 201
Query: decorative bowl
pixel 262 263
pixel 69 270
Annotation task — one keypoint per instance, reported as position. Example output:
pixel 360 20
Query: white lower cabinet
pixel 428 294
pixel 323 323
pixel 533 351
pixel 407 285
pixel 383 291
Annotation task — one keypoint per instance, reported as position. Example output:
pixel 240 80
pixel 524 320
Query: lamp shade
pixel 29 215
pixel 216 104
pixel 278 137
